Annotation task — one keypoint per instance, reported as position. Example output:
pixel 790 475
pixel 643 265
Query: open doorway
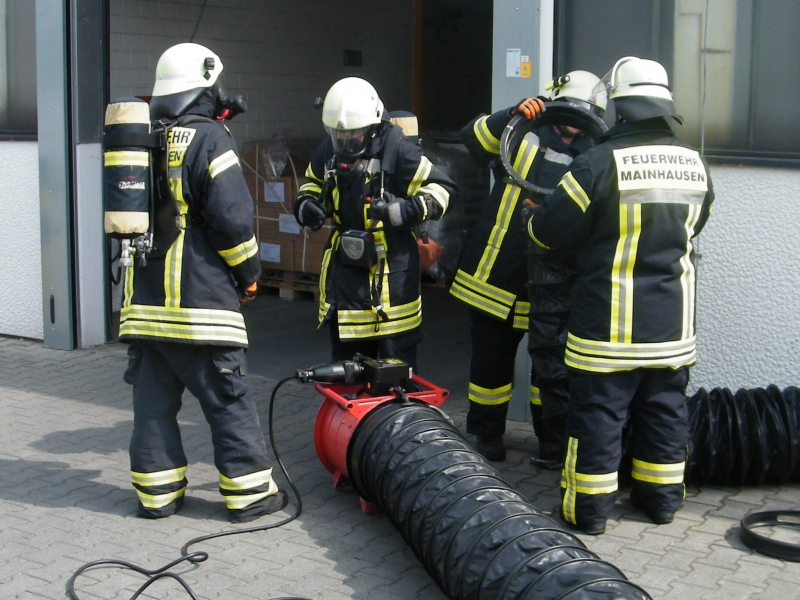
pixel 452 64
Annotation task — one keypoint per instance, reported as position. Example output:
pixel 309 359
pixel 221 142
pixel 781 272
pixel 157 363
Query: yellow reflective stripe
pixel 536 396
pixel 159 500
pixel 386 328
pixel 200 316
pixel 245 482
pixel 606 357
pixel 484 288
pixel 687 278
pixel 575 191
pixel 481 303
pixel 323 279
pixel 126 158
pixel 532 236
pixel 401 311
pixel 664 474
pixel 508 203
pixel 421 176
pixel 622 284
pixel 438 193
pixel 489 397
pixel 240 502
pixel 128 288
pixel 183 323
pixel 521 312
pixel 568 482
pixel 210 333
pixel 159 477
pixel 485 137
pixel 239 254
pixel 593 485
pixel 222 163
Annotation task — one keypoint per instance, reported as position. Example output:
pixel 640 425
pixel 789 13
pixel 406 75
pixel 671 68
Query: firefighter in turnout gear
pixel 629 209
pixel 181 311
pixel 376 185
pixel 493 271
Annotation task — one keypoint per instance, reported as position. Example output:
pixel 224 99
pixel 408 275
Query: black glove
pixel 530 108
pixel 394 211
pixel 311 213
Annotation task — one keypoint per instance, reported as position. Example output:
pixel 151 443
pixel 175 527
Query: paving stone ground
pixel 66 499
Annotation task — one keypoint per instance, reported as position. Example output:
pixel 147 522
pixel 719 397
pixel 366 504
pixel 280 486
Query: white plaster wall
pixel 20 241
pixel 278 55
pixel 748 308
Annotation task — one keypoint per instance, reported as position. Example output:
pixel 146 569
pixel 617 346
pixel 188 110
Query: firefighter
pixel 629 209
pixel 492 274
pixel 181 312
pixel 376 185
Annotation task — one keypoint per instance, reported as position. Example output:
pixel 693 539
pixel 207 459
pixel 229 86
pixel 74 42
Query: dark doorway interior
pixel 453 64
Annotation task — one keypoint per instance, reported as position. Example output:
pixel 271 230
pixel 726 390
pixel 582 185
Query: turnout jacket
pixel 191 295
pixel 630 208
pixel 492 273
pixel 384 300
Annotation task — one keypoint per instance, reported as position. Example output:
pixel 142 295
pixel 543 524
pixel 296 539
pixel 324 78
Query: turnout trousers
pixel 217 377
pixel 491 377
pixel 654 400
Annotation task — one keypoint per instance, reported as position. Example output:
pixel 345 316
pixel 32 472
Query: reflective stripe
pixel 557 157
pixel 664 474
pixel 355 324
pixel 128 288
pixel 575 191
pixel 532 236
pixel 481 286
pixel 223 163
pixel 420 177
pixel 489 396
pixel 159 477
pixel 239 254
pixel 438 193
pixel 568 482
pixel 240 502
pixel 159 500
pixel 593 485
pixel 245 482
pixel 195 324
pixel 687 278
pixel 536 396
pixel 508 203
pixel 126 158
pixel 521 313
pixel 485 137
pixel 605 357
pixel 493 306
pixel 622 284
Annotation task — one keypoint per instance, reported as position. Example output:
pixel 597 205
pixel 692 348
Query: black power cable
pixel 198 557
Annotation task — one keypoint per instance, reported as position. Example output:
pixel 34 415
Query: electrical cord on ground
pixel 198 557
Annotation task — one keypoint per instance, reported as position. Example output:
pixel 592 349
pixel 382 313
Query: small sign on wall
pixel 513 59
pixel 525 66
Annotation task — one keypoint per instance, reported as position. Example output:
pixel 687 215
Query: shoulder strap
pixel 390 152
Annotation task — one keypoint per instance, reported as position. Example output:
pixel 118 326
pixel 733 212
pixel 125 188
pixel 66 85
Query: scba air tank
pixel 127 179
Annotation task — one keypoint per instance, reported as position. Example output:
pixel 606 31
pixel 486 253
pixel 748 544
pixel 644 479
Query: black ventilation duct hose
pixel 555 113
pixel 477 537
pixel 750 437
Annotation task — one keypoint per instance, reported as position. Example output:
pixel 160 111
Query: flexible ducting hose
pixel 745 438
pixel 477 537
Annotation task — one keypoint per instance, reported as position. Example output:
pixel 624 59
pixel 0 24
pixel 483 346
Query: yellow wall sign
pixel 524 69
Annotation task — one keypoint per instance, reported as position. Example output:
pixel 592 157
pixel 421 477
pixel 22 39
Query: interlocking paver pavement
pixel 66 499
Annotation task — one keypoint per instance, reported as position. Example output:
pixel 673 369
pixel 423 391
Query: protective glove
pixel 249 293
pixel 311 213
pixel 530 108
pixel 528 207
pixel 396 211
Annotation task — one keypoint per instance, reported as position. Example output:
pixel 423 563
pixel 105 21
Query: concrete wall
pixel 279 55
pixel 748 309
pixel 20 242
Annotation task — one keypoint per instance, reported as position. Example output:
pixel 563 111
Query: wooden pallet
pixel 291 285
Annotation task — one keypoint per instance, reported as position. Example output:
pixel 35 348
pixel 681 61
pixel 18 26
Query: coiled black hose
pixel 749 437
pixel 477 537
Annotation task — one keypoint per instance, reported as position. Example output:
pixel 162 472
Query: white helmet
pixel 633 76
pixel 183 73
pixel 580 87
pixel 351 108
pixel 640 90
